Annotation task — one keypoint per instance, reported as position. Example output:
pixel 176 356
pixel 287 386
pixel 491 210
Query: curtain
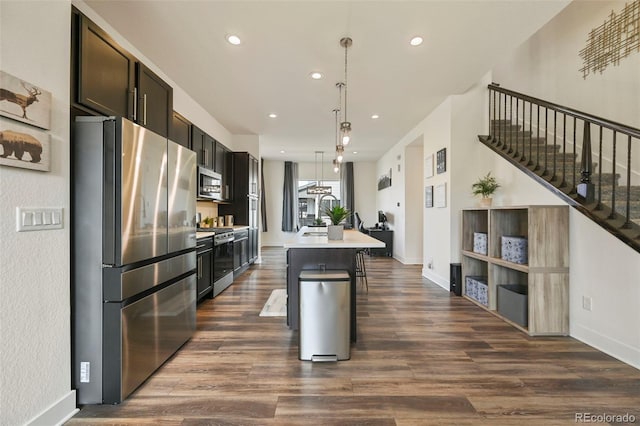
pixel 263 199
pixel 290 197
pixel 347 191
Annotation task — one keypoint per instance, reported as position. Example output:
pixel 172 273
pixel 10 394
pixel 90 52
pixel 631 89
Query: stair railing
pixel 548 138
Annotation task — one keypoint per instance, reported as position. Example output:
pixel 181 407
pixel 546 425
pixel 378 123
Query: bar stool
pixel 361 269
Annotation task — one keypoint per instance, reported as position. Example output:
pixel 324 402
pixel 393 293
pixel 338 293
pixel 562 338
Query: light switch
pixel 38 219
pixel 27 219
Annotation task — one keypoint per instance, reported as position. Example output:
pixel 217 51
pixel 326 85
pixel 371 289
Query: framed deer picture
pixel 24 101
pixel 24 146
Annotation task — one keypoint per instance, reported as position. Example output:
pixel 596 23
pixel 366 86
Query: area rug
pixel 276 305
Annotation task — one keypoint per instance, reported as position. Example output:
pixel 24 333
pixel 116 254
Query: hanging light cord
pixel 345 81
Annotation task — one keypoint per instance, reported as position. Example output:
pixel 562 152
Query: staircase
pixel 591 163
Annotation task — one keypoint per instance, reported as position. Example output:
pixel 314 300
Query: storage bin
pixel 513 303
pixel 514 249
pixel 480 243
pixel 477 289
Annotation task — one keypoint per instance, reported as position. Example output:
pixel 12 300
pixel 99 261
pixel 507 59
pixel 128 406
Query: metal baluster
pixel 627 224
pixel 546 145
pixel 529 162
pixel 537 167
pixel 492 133
pixel 599 204
pixel 515 154
pixel 564 151
pixel 510 131
pixel 498 119
pixel 613 214
pixel 555 138
pixel 575 156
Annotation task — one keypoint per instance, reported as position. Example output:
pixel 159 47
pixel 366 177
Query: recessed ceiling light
pixel 282 151
pixel 316 75
pixel 272 115
pixel 233 39
pixel 416 41
pixel 355 152
pixel 375 116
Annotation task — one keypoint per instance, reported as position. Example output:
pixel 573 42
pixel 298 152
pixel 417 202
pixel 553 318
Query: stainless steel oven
pixel 222 260
pixel 209 184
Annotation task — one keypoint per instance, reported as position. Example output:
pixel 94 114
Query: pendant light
pixel 319 188
pixel 345 125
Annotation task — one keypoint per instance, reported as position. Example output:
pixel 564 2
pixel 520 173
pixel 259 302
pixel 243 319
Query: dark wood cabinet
pixel 105 71
pixel 386 236
pixel 204 147
pixel 224 166
pixel 108 80
pixel 180 130
pixel 244 206
pixel 240 251
pixel 219 162
pixel 154 101
pixel 205 267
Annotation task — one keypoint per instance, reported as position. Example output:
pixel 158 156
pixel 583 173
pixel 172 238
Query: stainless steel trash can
pixel 325 308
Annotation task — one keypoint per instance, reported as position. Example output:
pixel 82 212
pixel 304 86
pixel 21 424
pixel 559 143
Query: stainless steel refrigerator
pixel 134 255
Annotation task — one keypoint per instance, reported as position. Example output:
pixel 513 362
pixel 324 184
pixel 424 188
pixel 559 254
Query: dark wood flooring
pixel 423 357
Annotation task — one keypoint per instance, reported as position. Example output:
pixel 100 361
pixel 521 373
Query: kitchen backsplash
pixel 207 209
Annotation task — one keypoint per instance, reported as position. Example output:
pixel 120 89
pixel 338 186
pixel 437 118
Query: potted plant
pixel 485 186
pixel 336 214
pixel 318 222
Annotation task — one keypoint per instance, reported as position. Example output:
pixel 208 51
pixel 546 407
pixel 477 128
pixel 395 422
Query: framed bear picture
pixel 24 146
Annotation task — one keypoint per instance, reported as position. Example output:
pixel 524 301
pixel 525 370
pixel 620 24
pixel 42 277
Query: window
pixel 311 206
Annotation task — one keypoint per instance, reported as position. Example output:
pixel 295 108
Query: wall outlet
pixel 586 303
pixel 85 372
pixel 430 264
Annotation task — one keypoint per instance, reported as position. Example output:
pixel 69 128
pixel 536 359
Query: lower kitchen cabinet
pixel 240 251
pixel 205 267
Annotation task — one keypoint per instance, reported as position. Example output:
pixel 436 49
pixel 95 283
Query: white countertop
pixel 352 239
pixel 202 233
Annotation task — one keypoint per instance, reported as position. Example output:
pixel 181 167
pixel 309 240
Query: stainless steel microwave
pixel 209 184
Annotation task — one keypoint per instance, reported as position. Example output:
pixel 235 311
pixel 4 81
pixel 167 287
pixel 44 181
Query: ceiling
pixel 284 41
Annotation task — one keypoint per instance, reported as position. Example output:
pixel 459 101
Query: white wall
pixel 602 268
pixel 364 181
pixel 391 199
pixel 247 143
pixel 35 354
pixel 414 204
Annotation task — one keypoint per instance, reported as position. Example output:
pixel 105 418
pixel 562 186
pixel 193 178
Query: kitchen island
pixel 310 249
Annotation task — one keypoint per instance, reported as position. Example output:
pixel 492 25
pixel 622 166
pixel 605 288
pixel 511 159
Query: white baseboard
pixel 615 348
pixel 430 275
pixel 409 261
pixel 58 413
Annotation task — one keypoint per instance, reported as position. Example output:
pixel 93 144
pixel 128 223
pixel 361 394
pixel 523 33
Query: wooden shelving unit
pixel 546 273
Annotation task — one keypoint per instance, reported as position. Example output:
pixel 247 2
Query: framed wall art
pixel 428 196
pixel 25 102
pixel 440 195
pixel 441 161
pixel 428 166
pixel 384 181
pixel 24 146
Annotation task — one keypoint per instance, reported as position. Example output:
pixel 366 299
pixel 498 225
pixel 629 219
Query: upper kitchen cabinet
pixel 108 80
pixel 180 130
pixel 154 101
pixel 105 71
pixel 204 146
